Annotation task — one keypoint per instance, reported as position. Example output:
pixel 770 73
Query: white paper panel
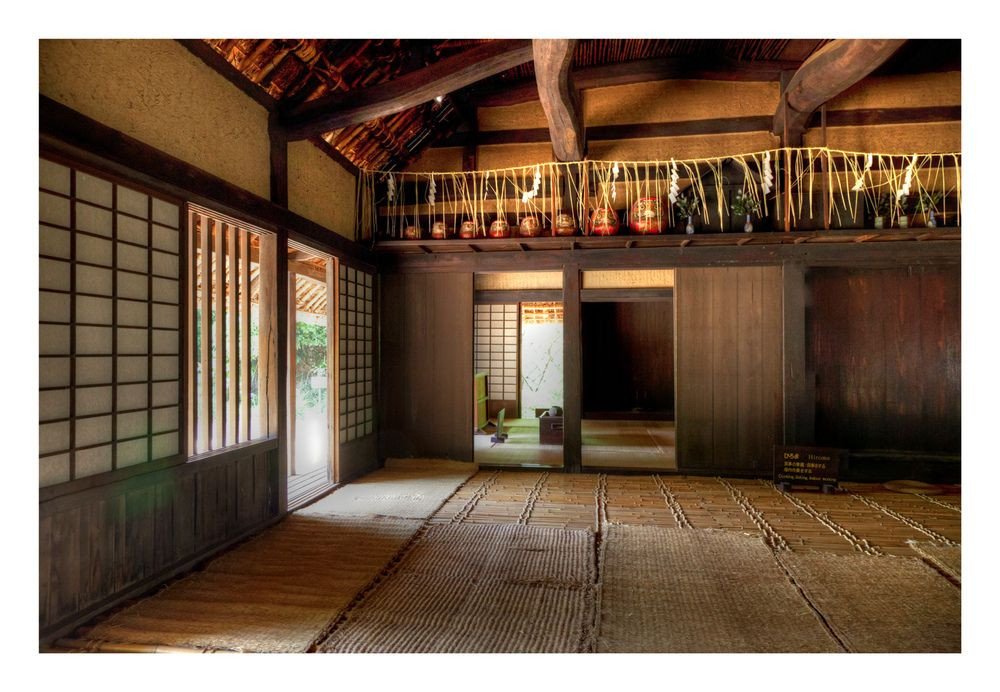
pixel 53 339
pixel 90 462
pixel 53 241
pixel 164 393
pixel 93 370
pixel 165 419
pixel 92 431
pixel 93 219
pixel 133 202
pixel 165 264
pixel 166 290
pixel 132 257
pixel 52 209
pixel 132 313
pixel 135 286
pixel 133 341
pixel 53 274
pixel 93 400
pixel 132 396
pixel 166 213
pixel 53 404
pixel 131 453
pixel 166 316
pixel 166 367
pixel 53 437
pixel 133 230
pixel 132 424
pixel 52 470
pixel 96 310
pixel 53 176
pixel 93 189
pixel 166 239
pixel 53 307
pixel 133 369
pixel 93 340
pixel 53 372
pixel 93 280
pixel 166 342
pixel 164 445
pixel 93 250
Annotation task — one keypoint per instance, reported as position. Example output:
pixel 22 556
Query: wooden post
pixel 244 335
pixel 232 329
pixel 279 360
pixel 799 393
pixel 572 370
pixel 205 414
pixel 219 378
pixel 333 367
pixel 788 172
pixel 191 336
pixel 279 162
pixel 824 161
pixel 290 389
pixel 267 337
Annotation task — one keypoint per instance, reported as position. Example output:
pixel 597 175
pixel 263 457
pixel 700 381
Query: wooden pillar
pixel 290 387
pixel 279 162
pixel 204 356
pixel 333 367
pixel 279 412
pixel 572 370
pixel 799 389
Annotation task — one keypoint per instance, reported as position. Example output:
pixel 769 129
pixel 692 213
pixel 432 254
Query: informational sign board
pixel 812 466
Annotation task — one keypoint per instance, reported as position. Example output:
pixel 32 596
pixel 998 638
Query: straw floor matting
pixel 882 604
pixel 406 488
pixel 480 588
pixel 275 593
pixel 683 590
pixel 946 558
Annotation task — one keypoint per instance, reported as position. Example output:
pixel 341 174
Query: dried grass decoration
pixel 559 195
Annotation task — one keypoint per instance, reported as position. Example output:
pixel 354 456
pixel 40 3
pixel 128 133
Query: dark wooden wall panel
pixel 101 544
pixel 628 361
pixel 358 458
pixel 886 348
pixel 426 365
pixel 729 367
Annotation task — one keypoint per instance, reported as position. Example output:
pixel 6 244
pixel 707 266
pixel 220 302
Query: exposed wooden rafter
pixel 420 86
pixel 560 100
pixel 826 73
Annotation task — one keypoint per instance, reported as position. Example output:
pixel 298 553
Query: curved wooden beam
pixel 560 100
pixel 420 86
pixel 828 72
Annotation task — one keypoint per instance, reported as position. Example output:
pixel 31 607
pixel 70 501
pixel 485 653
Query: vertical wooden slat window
pixel 356 391
pixel 109 325
pixel 225 314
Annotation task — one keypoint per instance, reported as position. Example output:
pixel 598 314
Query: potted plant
pixel 687 206
pixel 903 206
pixel 927 203
pixel 745 205
pixel 880 207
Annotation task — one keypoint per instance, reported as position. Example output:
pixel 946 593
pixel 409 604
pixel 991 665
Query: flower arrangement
pixel 928 200
pixel 687 205
pixel 880 205
pixel 744 204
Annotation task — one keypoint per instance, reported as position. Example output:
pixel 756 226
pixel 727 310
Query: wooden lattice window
pixel 109 325
pixel 356 354
pixel 496 351
pixel 232 339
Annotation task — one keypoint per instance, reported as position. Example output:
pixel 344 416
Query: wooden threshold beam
pixel 412 89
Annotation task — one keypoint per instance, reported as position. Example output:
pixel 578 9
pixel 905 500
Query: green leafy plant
pixel 928 200
pixel 880 205
pixel 687 205
pixel 744 204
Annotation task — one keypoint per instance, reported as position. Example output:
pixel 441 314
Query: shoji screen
pixel 496 350
pixel 109 325
pixel 357 378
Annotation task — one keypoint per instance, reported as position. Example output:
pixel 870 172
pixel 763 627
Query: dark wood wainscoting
pixel 885 345
pixel 729 367
pixel 107 543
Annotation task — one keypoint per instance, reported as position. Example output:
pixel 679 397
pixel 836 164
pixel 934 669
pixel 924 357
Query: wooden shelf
pixel 574 243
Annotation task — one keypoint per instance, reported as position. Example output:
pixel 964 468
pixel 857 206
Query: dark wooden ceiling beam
pixel 636 71
pixel 826 73
pixel 420 86
pixel 560 99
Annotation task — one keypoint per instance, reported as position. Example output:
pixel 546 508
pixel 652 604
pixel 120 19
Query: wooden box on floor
pixel 550 430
